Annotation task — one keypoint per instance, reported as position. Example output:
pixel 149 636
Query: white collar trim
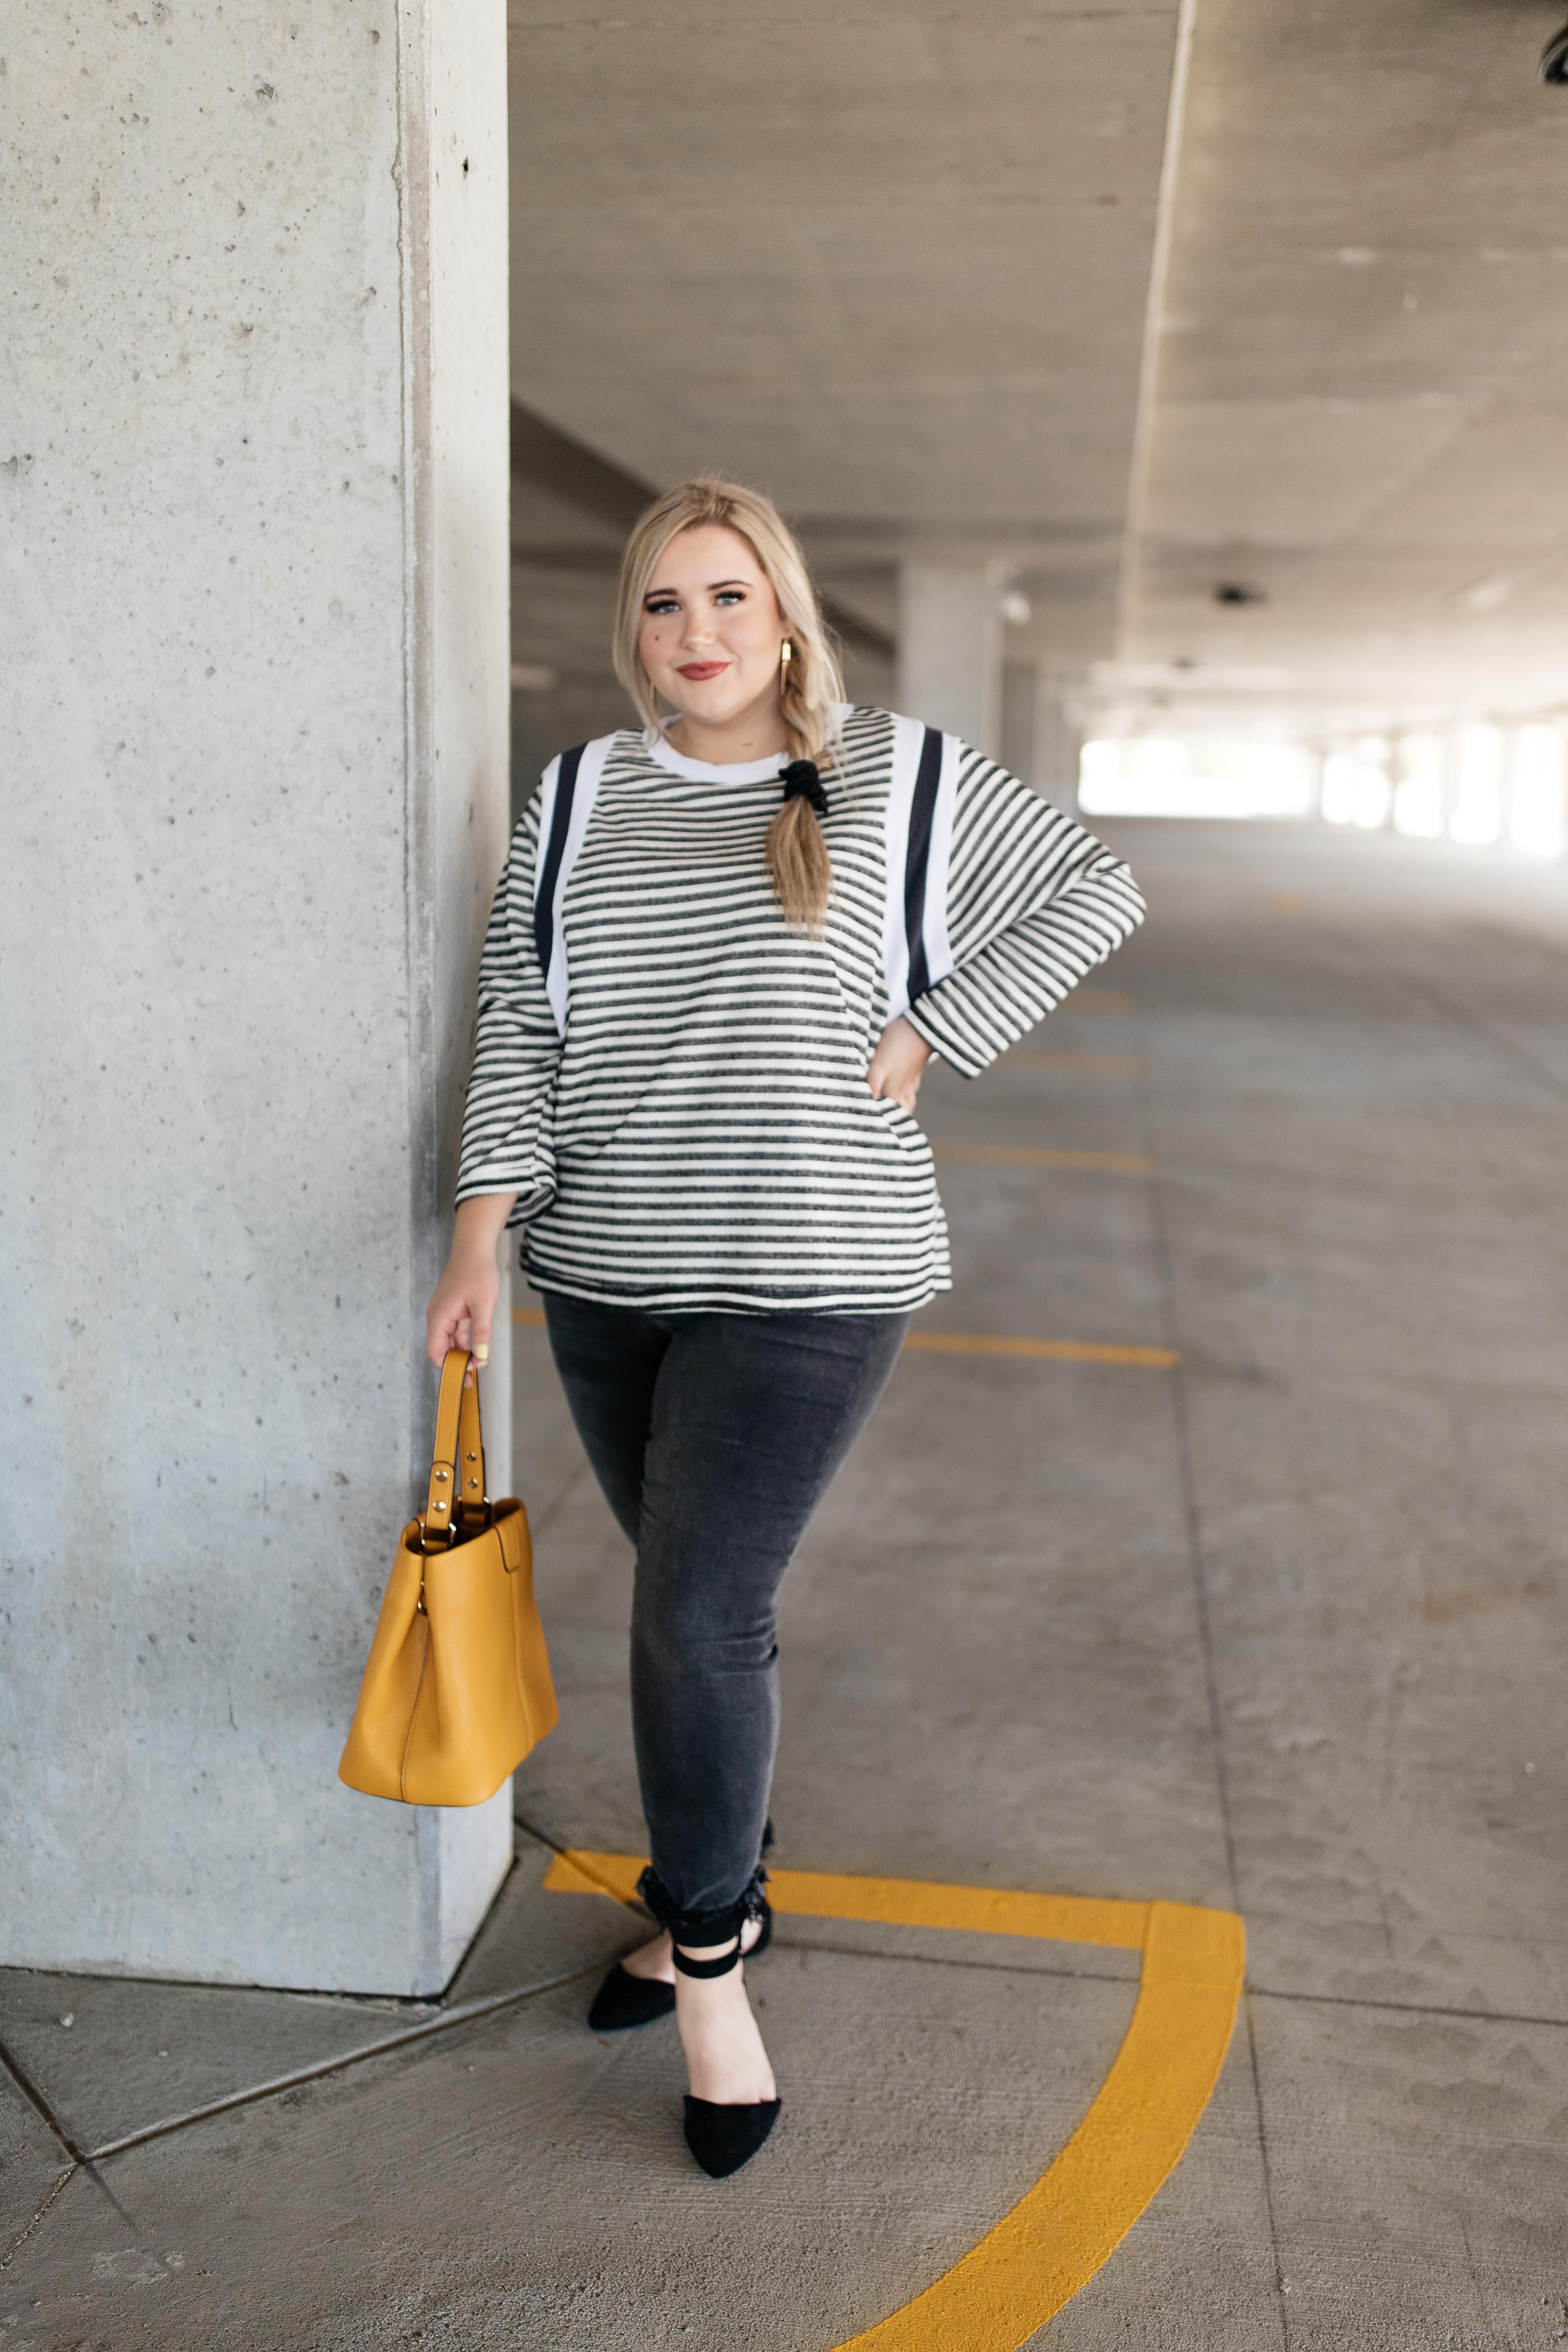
pixel 735 771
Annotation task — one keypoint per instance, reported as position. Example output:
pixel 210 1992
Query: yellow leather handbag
pixel 457 1689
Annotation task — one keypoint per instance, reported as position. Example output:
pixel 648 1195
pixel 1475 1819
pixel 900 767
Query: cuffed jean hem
pixel 694 1930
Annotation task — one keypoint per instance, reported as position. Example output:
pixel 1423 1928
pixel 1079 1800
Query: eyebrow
pixel 713 588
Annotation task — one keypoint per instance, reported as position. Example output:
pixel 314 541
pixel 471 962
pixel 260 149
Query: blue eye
pixel 731 597
pixel 660 605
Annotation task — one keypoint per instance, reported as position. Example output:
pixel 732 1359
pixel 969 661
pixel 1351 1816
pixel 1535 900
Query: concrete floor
pixel 1277 1632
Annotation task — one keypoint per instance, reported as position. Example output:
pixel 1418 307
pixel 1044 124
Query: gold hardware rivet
pixel 473 1482
pixel 473 1457
pixel 441 1477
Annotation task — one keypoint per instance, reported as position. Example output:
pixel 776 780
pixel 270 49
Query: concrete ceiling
pixel 890 265
pixel 1361 403
pixel 894 266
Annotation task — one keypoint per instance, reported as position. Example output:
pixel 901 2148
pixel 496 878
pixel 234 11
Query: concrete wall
pixel 253 470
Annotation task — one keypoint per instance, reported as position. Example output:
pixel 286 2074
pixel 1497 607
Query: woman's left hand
pixel 898 1064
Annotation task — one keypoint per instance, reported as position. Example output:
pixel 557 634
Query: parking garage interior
pixel 1171 399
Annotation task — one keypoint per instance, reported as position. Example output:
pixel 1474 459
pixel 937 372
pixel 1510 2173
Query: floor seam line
pixel 1194 1532
pixel 20 2239
pixel 1196 1564
pixel 469 2013
pixel 1408 2007
pixel 1280 2288
pixel 35 2099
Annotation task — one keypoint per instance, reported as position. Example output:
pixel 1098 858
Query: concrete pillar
pixel 253 595
pixel 1508 779
pixel 949 646
pixel 1312 757
pixel 1058 746
pixel 1452 757
pixel 1020 695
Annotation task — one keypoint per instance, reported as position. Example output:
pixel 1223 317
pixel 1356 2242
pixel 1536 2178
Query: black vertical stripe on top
pixel 555 849
pixel 922 808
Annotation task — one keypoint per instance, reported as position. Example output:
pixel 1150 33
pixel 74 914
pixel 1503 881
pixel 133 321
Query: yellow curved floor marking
pixel 1064 1351
pixel 1008 1155
pixel 1122 1066
pixel 1064 2229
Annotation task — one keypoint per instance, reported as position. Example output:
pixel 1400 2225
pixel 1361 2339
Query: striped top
pixel 674 1083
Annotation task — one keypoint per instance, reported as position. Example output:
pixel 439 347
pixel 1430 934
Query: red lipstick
pixel 698 670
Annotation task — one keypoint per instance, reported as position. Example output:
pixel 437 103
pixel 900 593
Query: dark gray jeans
pixel 715 1438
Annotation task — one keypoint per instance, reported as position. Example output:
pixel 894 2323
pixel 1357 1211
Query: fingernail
pixel 481 1355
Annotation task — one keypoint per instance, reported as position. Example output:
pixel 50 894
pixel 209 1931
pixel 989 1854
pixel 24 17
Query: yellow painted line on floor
pixel 981 1343
pixel 1009 1155
pixel 1061 1351
pixel 581 1872
pixel 1119 1065
pixel 895 1902
pixel 1067 2227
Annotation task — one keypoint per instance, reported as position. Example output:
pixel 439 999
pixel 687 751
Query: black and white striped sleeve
pixel 1034 902
pixel 507 1120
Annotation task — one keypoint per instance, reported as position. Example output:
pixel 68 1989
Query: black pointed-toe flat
pixel 623 2001
pixel 724 2138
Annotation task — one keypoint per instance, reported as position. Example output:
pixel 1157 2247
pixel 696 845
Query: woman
pixel 725 946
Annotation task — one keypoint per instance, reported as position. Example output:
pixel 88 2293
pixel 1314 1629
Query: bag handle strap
pixel 457 1469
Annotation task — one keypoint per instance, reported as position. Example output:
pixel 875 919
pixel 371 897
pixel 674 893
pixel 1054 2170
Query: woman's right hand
pixel 463 1304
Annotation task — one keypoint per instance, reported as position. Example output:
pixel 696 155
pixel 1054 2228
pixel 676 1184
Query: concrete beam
pixel 545 458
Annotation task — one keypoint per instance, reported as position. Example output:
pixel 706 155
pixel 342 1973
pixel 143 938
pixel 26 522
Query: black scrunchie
pixel 802 782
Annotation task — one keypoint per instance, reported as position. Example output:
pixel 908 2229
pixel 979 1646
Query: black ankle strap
pixel 719 1967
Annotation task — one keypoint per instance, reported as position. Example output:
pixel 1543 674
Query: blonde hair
pixel 810 684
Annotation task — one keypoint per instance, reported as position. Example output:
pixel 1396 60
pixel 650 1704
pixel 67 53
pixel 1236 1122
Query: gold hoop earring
pixel 786 654
pixel 652 697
